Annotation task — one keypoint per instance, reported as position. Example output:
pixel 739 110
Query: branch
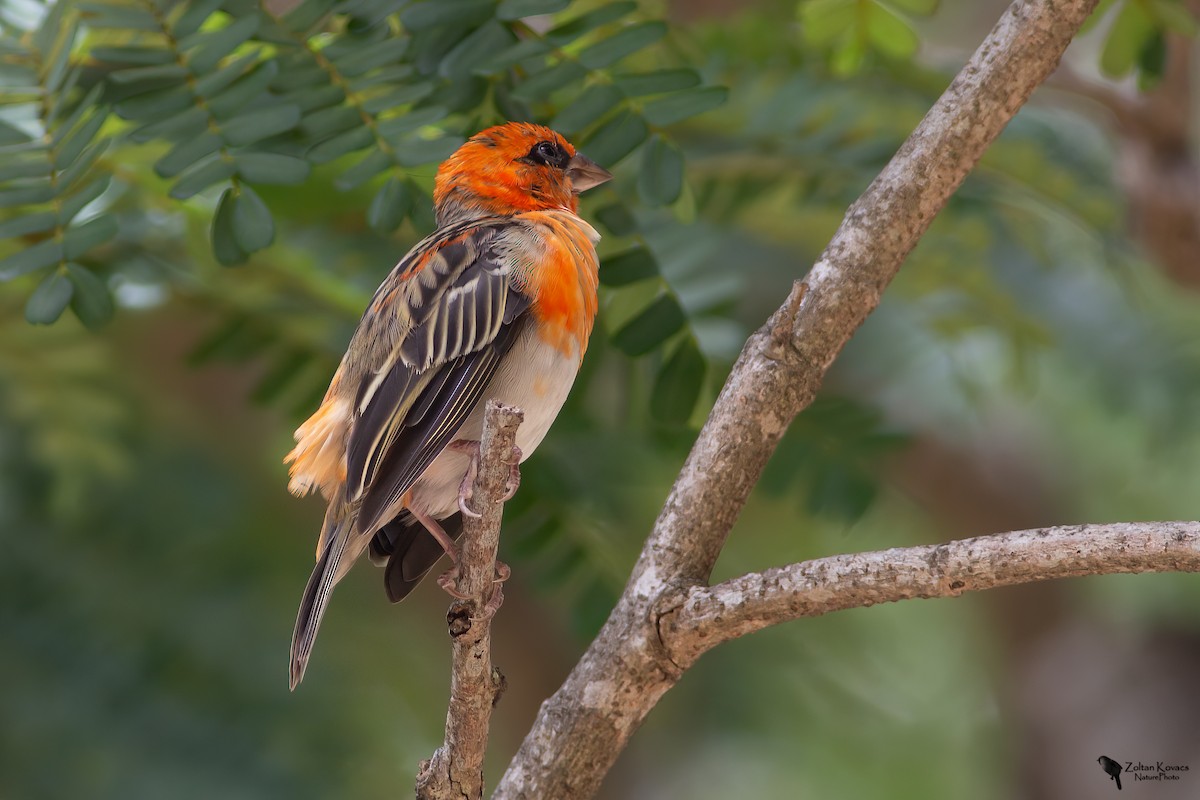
pixel 712 615
pixel 456 769
pixel 582 728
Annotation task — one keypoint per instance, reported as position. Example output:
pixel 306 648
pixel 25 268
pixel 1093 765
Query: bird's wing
pixel 458 312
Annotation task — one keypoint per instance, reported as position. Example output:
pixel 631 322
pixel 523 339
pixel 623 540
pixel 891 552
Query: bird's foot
pixel 514 476
pixel 448 580
pixel 467 488
pixel 503 573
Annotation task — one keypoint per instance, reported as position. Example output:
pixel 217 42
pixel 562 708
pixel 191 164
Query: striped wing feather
pixel 465 315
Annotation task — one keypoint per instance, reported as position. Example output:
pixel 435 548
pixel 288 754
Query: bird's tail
pixel 336 534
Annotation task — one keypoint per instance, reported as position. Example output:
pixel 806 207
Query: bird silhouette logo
pixel 1112 767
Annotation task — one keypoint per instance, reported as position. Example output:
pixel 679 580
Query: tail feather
pixel 317 592
pixel 409 552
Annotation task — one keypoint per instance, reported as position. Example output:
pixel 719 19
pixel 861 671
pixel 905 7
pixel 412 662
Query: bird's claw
pixel 503 573
pixel 467 488
pixel 514 476
pixel 448 580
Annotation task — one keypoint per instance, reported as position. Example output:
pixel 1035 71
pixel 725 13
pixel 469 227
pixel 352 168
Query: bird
pixel 1112 767
pixel 497 303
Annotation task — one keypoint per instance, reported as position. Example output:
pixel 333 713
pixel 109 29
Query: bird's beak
pixel 585 174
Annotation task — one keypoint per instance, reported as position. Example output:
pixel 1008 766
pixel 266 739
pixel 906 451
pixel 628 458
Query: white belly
pixel 536 378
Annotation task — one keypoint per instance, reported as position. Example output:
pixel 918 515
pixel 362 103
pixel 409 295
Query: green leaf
pixel 1152 61
pixel 621 44
pixel 16 168
pixel 433 13
pixel 76 202
pixel 10 135
pixel 245 89
pixel 186 153
pixel 312 100
pixel 890 33
pixel 253 227
pixel 194 17
pixel 387 76
pixel 1175 16
pixel 81 238
pixel 509 10
pixel 31 223
pixel 81 165
pixel 572 29
pixel 1127 39
pixel 824 21
pixel 392 127
pixel 237 70
pixel 90 299
pixel 224 241
pixel 921 8
pixel 661 178
pixel 591 105
pixel 616 139
pixel 617 219
pixel 201 176
pixel 651 327
pixel 476 49
pixel 155 105
pixel 75 143
pixel 49 299
pixel 398 97
pixel 31 259
pixel 527 48
pixel 103 15
pixel 133 55
pixel 27 195
pixel 390 206
pixel 364 58
pixel 192 122
pixel 306 15
pixel 215 45
pixel 664 80
pixel 272 168
pixel 254 126
pixel 415 151
pixel 628 267
pixel 156 72
pixel 681 105
pixel 678 384
pixel 329 121
pixel 542 84
pixel 340 145
pixel 840 491
pixel 374 163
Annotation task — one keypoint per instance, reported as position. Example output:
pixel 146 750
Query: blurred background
pixel 199 198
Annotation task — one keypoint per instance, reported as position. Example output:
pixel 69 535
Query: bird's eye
pixel 547 154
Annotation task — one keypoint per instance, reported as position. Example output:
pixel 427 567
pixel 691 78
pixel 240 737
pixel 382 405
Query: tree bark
pixel 455 772
pixel 583 727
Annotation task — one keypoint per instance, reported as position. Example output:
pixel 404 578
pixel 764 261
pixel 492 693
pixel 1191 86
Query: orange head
pixel 510 169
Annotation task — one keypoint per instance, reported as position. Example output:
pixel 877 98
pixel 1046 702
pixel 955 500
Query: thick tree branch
pixel 581 729
pixel 711 615
pixel 456 769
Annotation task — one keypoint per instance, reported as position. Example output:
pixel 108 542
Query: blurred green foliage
pixel 152 559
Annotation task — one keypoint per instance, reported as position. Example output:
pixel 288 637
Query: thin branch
pixel 456 769
pixel 582 728
pixel 716 614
